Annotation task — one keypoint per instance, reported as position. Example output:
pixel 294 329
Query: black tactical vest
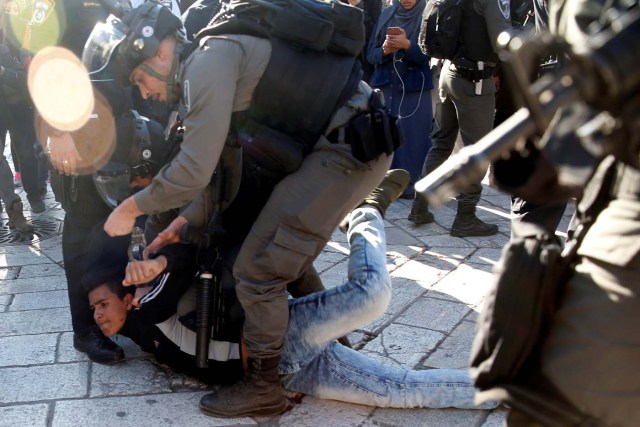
pixel 475 42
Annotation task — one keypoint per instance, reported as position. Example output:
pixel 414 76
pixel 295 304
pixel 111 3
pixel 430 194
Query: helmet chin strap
pixel 170 80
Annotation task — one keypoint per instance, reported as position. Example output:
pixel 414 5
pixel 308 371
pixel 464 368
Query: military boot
pixel 17 219
pixel 466 223
pixel 420 211
pixel 391 187
pixel 258 394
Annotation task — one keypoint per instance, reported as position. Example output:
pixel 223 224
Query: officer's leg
pixel 12 201
pixel 23 139
pixel 475 115
pixel 443 139
pixel 292 229
pixel 445 127
pixel 86 338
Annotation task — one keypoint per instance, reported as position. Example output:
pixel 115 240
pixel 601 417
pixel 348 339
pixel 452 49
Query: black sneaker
pixel 37 206
pixel 99 348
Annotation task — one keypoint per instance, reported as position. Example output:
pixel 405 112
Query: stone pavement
pixel 439 284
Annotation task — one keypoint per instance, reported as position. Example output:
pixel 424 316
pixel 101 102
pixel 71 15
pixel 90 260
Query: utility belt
pixel 370 133
pixel 470 70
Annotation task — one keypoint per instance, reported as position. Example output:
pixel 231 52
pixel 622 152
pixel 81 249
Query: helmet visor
pixel 113 183
pixel 102 42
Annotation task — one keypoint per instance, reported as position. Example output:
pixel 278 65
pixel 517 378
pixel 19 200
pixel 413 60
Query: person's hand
pixel 63 153
pixel 396 42
pixel 120 222
pixel 497 81
pixel 387 48
pixel 141 272
pixel 169 235
pixel 141 291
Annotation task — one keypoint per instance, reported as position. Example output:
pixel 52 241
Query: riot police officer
pixel 466 102
pixel 218 85
pixel 71 179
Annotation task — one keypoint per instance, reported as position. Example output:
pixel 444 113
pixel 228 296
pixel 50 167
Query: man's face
pixel 152 87
pixel 109 311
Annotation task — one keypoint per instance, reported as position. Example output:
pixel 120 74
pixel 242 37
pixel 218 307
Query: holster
pixel 374 132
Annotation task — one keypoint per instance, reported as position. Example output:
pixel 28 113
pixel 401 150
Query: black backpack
pixel 319 25
pixel 440 32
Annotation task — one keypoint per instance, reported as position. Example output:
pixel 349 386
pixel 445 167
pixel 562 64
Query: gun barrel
pixel 470 164
pixel 203 319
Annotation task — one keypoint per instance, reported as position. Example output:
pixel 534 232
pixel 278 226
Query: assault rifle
pixel 209 301
pixel 604 73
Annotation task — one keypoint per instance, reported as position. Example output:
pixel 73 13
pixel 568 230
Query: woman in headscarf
pixel 402 73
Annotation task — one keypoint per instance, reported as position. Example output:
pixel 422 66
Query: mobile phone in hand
pixel 394 31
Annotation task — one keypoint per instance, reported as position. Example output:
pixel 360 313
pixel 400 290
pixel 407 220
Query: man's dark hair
pixel 106 261
pixel 115 286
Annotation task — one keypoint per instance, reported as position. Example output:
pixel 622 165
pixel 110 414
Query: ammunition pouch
pixel 270 149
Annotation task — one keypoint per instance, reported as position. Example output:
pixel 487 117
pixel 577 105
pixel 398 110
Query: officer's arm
pixel 497 16
pixel 209 88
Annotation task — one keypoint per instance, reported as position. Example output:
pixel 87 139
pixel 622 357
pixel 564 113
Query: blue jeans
pixel 316 365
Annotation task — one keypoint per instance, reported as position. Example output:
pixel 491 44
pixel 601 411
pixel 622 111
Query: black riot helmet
pixel 142 150
pixel 123 44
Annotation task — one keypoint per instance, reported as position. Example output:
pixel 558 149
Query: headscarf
pixel 397 16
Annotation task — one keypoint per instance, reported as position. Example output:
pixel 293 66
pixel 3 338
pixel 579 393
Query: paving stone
pixel 35 321
pixel 444 240
pixel 327 260
pixel 454 352
pixel 404 292
pixel 25 350
pixel 172 409
pixel 496 418
pixel 428 417
pixel 495 241
pixel 422 273
pixel 130 377
pixel 48 270
pixel 38 300
pixel 485 259
pixel 322 413
pixel 399 345
pixel 24 415
pixel 465 284
pixel 5 300
pixel 397 236
pixel 35 284
pixel 65 351
pixel 52 248
pixel 45 382
pixel 19 255
pixel 131 349
pixel 335 276
pixel 398 254
pixel 435 314
pixel 7 273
